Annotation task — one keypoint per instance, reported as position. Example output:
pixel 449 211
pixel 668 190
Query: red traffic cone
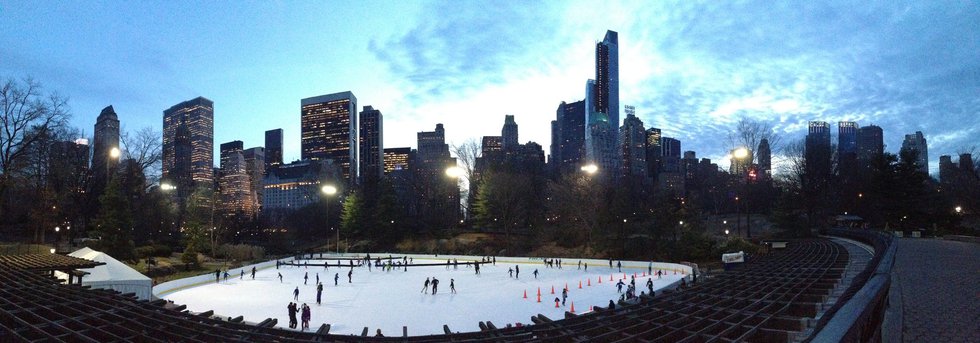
pixel 624 276
pixel 556 302
pixel 573 307
pixel 610 277
pixel 588 282
pixel 634 275
pixel 552 289
pixel 539 297
pixel 579 284
pixel 599 278
pixel 525 294
pixel 566 286
pixel 539 291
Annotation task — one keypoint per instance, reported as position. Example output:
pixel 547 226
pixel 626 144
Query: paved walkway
pixel 935 292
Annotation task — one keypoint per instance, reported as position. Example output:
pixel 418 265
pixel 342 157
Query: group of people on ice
pixel 435 285
pixel 304 311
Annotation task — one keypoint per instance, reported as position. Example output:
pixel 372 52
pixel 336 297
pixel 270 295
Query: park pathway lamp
pixel 329 191
pixel 590 169
pixel 958 209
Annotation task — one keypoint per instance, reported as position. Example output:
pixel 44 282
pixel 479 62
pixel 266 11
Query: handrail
pixel 858 318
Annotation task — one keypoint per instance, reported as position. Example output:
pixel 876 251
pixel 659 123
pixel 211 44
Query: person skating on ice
pixel 336 276
pixel 452 286
pixel 319 292
pixel 435 285
pixel 296 293
pixel 253 272
pixel 306 277
pixel 535 274
pixel 425 286
pixel 280 277
pixel 517 271
pixel 619 286
pixel 564 295
pixel 350 274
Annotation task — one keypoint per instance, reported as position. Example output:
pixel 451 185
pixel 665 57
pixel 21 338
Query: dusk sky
pixel 692 69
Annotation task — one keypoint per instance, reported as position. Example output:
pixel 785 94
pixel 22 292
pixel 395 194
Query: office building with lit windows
pixel 397 159
pixel 328 131
pixel 372 144
pixel 197 117
pixel 273 147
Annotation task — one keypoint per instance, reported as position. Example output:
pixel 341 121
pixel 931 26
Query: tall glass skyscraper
pixel 197 115
pixel 372 142
pixel 273 148
pixel 607 79
pixel 328 130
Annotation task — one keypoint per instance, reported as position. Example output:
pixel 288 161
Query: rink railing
pixel 168 287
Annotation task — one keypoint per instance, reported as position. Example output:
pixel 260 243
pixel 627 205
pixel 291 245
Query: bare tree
pixel 27 118
pixel 144 146
pixel 466 155
pixel 749 133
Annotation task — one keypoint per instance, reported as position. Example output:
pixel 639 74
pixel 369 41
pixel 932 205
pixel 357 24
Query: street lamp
pixel 114 153
pixel 958 209
pixel 726 232
pixel 590 168
pixel 330 190
pixel 454 172
pixel 740 153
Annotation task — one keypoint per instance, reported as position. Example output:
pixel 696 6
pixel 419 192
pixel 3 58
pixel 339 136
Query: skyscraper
pixel 765 160
pixel 372 144
pixel 917 142
pixel 440 196
pixel 106 139
pixel 671 154
pixel 237 199
pixel 397 159
pixel 847 149
pixel 600 135
pixel 568 137
pixel 633 145
pixel 607 79
pixel 273 148
pixel 654 152
pixel 255 168
pixel 509 133
pixel 870 144
pixel 197 116
pixel 328 126
pixel 817 150
pixel 226 151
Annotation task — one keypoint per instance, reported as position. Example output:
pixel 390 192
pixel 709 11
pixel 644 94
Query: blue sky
pixel 690 68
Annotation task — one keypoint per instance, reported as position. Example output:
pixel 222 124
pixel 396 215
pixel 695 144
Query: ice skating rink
pixel 391 299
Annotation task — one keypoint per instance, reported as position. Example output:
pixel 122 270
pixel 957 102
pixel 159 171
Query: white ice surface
pixel 390 300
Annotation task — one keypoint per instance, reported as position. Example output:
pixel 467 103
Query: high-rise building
pixel 273 148
pixel 237 199
pixel 847 149
pixel 491 145
pixel 509 133
pixel 817 150
pixel 765 161
pixel 441 196
pixel 870 144
pixel 106 139
pixel 917 142
pixel 568 137
pixel 671 155
pixel 197 117
pixel 947 171
pixel 633 145
pixel 397 159
pixel 372 144
pixel 289 187
pixel 600 136
pixel 226 151
pixel 255 168
pixel 607 79
pixel 68 166
pixel 689 168
pixel 328 126
pixel 654 152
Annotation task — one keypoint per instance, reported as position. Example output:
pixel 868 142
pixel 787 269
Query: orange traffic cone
pixel 539 297
pixel 539 291
pixel 556 302
pixel 599 278
pixel 579 284
pixel 552 289
pixel 525 294
pixel 624 276
pixel 573 307
pixel 644 274
pixel 588 282
pixel 610 277
pixel 634 275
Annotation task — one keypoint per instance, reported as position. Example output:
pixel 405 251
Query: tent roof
pixel 112 270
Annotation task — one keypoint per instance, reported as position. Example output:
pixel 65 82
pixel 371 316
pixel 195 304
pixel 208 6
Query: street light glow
pixel 958 209
pixel 167 187
pixel 740 153
pixel 328 189
pixel 114 153
pixel 454 172
pixel 590 168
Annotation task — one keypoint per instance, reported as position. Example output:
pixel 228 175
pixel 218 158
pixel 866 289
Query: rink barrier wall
pixel 163 289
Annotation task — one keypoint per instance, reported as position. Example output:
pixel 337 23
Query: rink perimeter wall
pixel 168 287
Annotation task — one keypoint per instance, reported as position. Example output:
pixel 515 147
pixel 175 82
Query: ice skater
pixel 619 286
pixel 564 295
pixel 292 315
pixel 517 271
pixel 242 277
pixel 217 275
pixel 319 292
pixel 579 264
pixel 296 293
pixel 350 274
pixel 280 277
pixel 306 277
pixel 477 267
pixel 317 278
pixel 336 276
pixel 535 273
pixel 306 317
pixel 510 272
pixel 435 285
pixel 226 275
pixel 650 285
pixel 425 286
pixel 452 286
pixel 253 272
pixel 619 264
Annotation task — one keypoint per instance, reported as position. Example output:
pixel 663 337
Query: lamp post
pixel 958 209
pixel 330 190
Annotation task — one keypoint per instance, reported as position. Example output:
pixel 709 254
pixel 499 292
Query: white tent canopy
pixel 113 275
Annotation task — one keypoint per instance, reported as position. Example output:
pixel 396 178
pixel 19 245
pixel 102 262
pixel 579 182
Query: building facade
pixel 196 116
pixel 329 130
pixel 106 139
pixel 568 137
pixel 917 142
pixel 273 148
pixel 371 144
pixel 633 145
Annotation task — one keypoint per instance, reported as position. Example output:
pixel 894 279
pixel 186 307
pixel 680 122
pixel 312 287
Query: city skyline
pixel 691 71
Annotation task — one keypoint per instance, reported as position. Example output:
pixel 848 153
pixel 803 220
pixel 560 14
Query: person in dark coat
pixel 319 292
pixel 296 294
